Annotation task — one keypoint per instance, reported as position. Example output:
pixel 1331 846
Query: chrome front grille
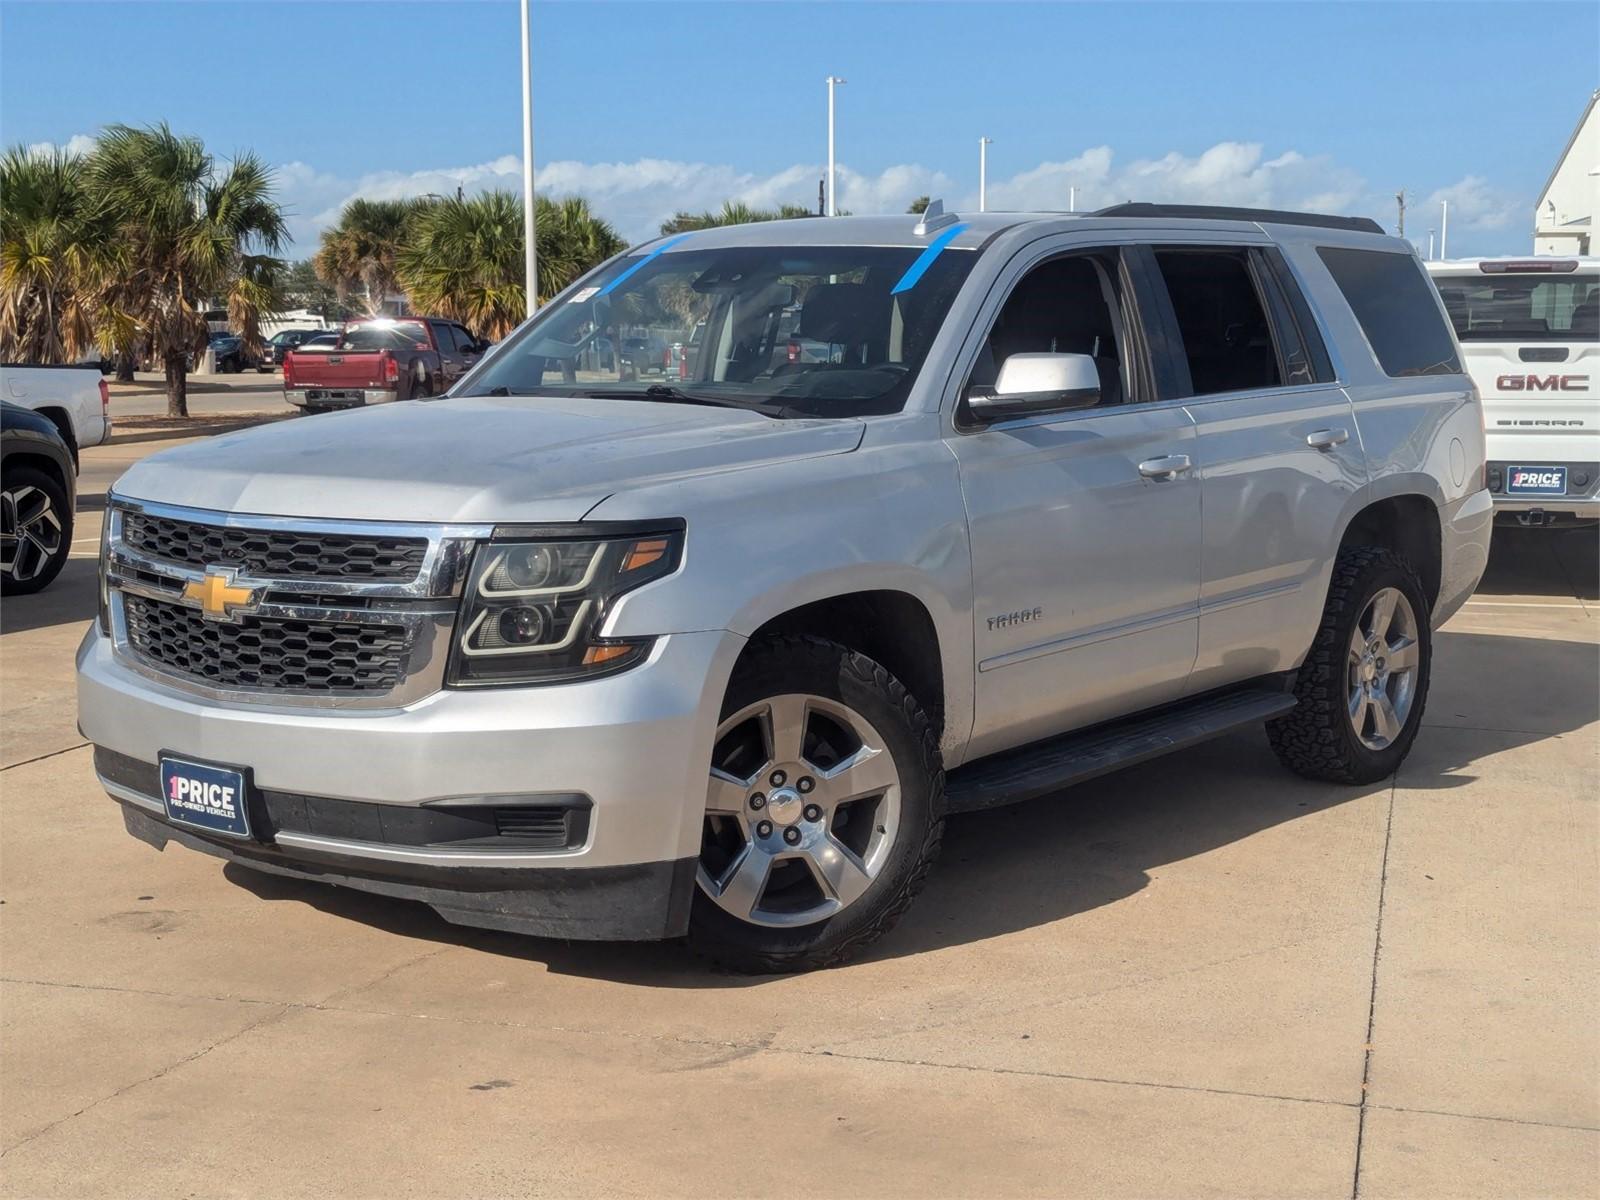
pixel 260 652
pixel 275 553
pixel 351 614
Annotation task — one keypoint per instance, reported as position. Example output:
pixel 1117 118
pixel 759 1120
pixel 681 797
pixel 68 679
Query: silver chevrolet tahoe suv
pixel 585 652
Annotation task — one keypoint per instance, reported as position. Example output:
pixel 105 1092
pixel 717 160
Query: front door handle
pixel 1168 466
pixel 1327 439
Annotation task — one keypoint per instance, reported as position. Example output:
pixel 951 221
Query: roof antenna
pixel 933 218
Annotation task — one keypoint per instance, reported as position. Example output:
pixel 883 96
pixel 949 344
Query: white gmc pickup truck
pixel 73 398
pixel 1529 330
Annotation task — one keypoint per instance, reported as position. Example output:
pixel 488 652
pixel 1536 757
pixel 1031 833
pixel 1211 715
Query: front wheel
pixel 824 809
pixel 35 531
pixel 1362 687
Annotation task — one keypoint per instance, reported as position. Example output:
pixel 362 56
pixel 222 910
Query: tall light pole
pixel 531 252
pixel 1444 226
pixel 1430 243
pixel 832 80
pixel 1072 199
pixel 983 173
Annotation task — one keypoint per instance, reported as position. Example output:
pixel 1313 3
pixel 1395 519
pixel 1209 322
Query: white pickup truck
pixel 73 398
pixel 1529 330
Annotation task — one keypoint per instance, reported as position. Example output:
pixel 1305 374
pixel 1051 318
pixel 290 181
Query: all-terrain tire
pixel 1317 738
pixel 813 665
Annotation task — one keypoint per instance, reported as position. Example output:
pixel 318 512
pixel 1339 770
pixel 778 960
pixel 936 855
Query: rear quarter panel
pixel 1420 435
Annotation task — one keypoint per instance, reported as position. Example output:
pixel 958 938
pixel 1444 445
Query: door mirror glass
pixel 1037 383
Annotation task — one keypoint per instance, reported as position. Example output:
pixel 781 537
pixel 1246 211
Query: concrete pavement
pixel 1200 977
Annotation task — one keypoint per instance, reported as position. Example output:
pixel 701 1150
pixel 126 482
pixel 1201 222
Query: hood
pixel 477 459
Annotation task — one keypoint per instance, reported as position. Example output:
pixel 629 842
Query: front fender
pixel 764 542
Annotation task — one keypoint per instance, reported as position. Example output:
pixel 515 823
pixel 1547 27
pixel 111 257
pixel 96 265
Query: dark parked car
pixel 283 342
pixel 37 486
pixel 644 356
pixel 230 353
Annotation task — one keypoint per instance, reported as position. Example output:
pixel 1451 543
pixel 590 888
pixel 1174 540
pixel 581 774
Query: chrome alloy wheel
pixel 802 809
pixel 1384 656
pixel 30 532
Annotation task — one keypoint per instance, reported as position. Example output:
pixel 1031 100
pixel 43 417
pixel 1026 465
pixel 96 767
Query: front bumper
pixel 634 745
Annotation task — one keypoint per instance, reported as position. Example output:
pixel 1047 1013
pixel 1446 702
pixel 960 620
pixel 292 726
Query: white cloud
pixel 638 196
pixel 1476 205
pixel 78 143
pixel 1228 173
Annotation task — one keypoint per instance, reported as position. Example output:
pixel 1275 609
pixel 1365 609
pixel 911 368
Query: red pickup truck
pixel 378 359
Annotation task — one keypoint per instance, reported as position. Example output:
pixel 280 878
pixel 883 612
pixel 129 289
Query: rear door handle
pixel 1168 466
pixel 1327 439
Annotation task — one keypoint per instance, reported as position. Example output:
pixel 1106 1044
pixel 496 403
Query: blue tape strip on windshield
pixel 925 259
pixel 666 245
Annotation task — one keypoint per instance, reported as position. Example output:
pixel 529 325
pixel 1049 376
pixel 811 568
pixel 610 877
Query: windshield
pixel 1523 308
pixel 384 334
pixel 836 331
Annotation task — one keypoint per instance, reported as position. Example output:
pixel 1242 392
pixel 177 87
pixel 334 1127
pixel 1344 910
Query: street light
pixel 1444 226
pixel 983 173
pixel 531 252
pixel 832 80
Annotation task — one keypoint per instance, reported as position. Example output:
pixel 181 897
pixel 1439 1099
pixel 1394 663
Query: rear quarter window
pixel 1397 309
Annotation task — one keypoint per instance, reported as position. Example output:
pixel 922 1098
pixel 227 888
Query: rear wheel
pixel 824 809
pixel 35 530
pixel 1362 688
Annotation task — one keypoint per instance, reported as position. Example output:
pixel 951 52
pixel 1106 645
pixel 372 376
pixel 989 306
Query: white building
pixel 1564 221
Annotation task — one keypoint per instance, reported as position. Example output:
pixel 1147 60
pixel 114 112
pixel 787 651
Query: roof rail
pixel 1266 216
pixel 934 217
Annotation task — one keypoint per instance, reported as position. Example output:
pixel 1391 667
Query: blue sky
pixel 650 107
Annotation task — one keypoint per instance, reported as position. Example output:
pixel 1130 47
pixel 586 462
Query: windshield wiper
pixel 672 395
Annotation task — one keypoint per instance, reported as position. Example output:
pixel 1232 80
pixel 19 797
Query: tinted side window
pixel 1064 306
pixel 1226 337
pixel 1304 357
pixel 1397 308
pixel 465 342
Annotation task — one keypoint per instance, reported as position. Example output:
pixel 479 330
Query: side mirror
pixel 1038 383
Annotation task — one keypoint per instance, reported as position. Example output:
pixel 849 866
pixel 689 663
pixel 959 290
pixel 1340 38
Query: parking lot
pixel 1200 977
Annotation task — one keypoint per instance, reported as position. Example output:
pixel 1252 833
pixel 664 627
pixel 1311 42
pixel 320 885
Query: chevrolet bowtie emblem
pixel 217 596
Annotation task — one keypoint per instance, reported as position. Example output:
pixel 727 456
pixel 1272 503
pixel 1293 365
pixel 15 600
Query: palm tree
pixel 186 232
pixel 50 242
pixel 360 252
pixel 572 240
pixel 919 205
pixel 463 258
pixel 733 213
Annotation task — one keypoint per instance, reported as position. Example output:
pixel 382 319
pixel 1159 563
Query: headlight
pixel 533 609
pixel 103 600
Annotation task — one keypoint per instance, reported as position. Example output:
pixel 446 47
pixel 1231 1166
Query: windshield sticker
pixel 925 260
pixel 666 245
pixel 583 294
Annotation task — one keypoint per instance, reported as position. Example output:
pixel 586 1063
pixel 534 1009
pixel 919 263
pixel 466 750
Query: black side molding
pixel 1044 767
pixel 1264 216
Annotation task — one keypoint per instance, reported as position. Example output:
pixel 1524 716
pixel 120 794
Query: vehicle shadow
pixel 1008 870
pixel 1543 562
pixel 72 597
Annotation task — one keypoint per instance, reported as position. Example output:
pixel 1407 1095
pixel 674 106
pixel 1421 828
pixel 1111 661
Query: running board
pixel 1044 767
